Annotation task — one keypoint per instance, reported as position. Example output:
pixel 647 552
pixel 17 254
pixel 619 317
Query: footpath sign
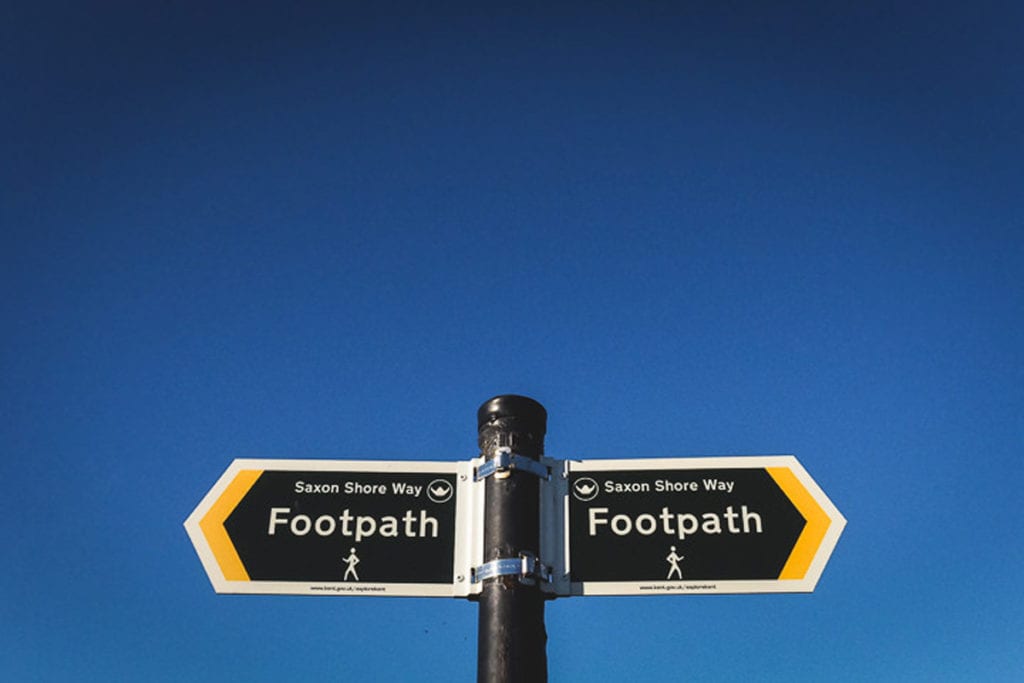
pixel 513 528
pixel 334 527
pixel 752 524
pixel 696 525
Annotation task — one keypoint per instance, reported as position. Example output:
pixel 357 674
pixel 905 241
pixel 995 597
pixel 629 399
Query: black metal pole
pixel 512 639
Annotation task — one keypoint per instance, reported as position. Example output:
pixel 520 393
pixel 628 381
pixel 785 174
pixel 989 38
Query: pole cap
pixel 510 405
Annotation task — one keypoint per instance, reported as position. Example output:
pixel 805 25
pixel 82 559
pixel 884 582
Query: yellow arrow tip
pixel 212 525
pixel 817 523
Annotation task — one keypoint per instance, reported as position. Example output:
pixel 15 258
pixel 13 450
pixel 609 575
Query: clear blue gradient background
pixel 332 230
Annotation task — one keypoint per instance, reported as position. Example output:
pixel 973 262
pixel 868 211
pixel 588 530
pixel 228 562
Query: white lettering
pixel 747 517
pixel 678 524
pixel 675 486
pixel 303 487
pixel 646 524
pixel 388 526
pixel 426 521
pixel 274 520
pixel 634 487
pixel 594 521
pixel 621 525
pixel 412 524
pixel 365 526
pixel 687 524
pixel 325 525
pixel 301 525
pixel 400 488
pixel 730 517
pixel 356 488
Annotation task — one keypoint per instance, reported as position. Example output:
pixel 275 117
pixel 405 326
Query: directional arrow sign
pixel 333 527
pixel 696 525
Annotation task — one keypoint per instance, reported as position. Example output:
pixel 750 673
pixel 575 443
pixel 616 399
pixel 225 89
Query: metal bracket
pixel 505 461
pixel 526 566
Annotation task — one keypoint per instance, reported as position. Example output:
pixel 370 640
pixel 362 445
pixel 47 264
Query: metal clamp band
pixel 505 460
pixel 526 566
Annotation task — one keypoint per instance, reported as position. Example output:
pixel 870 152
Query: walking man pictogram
pixel 673 560
pixel 351 561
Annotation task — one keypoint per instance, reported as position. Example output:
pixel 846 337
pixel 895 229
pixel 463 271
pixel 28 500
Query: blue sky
pixel 332 231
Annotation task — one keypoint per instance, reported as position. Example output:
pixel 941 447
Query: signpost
pixel 334 527
pixel 512 528
pixel 696 525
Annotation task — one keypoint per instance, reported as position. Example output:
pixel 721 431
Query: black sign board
pixel 710 525
pixel 354 527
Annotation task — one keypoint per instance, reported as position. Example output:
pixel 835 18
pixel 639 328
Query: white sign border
pixel 698 587
pixel 459 586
